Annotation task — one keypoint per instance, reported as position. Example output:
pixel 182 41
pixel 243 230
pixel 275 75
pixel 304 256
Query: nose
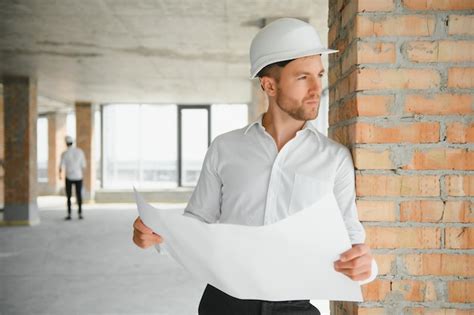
pixel 315 86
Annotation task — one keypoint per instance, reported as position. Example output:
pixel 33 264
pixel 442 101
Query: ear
pixel 269 85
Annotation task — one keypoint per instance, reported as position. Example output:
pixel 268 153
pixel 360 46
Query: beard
pixel 296 108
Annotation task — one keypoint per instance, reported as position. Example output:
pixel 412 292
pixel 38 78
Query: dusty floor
pixel 91 267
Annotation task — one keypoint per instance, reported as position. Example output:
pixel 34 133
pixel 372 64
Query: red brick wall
pixel 85 141
pixel 56 146
pixel 2 152
pixel 20 176
pixel 401 98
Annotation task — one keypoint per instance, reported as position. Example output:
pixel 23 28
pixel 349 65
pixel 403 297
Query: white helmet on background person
pixel 69 139
pixel 284 39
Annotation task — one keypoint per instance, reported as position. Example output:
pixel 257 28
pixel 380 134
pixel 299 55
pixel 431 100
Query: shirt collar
pixel 258 121
pixel 255 122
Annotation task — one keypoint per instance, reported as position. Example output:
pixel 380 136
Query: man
pixel 278 164
pixel 74 162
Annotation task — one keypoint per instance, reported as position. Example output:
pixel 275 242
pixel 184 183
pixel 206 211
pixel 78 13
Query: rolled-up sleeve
pixel 345 194
pixel 205 201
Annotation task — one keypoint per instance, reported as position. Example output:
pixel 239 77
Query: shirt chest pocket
pixel 306 191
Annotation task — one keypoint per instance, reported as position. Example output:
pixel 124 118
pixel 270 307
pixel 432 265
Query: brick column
pixel 20 114
pixel 84 140
pixel 401 98
pixel 56 145
pixel 2 153
pixel 259 102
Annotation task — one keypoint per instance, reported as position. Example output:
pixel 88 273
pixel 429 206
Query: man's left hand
pixel 356 263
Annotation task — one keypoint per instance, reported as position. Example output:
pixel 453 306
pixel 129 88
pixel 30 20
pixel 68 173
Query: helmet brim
pixel 287 55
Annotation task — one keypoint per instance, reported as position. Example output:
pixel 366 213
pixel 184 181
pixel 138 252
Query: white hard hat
pixel 69 139
pixel 284 39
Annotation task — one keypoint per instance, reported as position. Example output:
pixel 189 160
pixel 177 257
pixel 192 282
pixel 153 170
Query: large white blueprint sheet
pixel 289 260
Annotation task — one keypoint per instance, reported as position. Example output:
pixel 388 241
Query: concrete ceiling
pixel 154 51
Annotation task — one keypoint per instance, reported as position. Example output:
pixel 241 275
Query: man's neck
pixel 280 125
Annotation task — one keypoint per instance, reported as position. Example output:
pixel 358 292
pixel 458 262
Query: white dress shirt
pixel 245 180
pixel 74 161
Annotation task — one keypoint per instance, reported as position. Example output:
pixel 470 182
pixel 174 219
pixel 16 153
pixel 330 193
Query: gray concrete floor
pixel 91 266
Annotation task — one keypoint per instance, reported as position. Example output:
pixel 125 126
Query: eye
pixel 302 78
pixel 321 75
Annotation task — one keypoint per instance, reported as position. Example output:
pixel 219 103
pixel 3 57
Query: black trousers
pixel 78 186
pixel 216 302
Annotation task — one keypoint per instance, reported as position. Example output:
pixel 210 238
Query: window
pixel 71 125
pixel 97 147
pixel 194 141
pixel 195 134
pixel 227 117
pixel 142 143
pixel 42 148
pixel 140 146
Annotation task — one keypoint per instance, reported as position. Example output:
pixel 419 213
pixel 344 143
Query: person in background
pixel 74 163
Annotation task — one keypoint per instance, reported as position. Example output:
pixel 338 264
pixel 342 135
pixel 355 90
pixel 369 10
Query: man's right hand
pixel 143 236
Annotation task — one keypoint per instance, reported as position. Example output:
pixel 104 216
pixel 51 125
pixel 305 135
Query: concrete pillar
pixel 259 102
pixel 56 145
pixel 20 115
pixel 85 141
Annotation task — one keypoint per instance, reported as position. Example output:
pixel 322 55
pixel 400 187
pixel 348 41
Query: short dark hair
pixel 266 71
